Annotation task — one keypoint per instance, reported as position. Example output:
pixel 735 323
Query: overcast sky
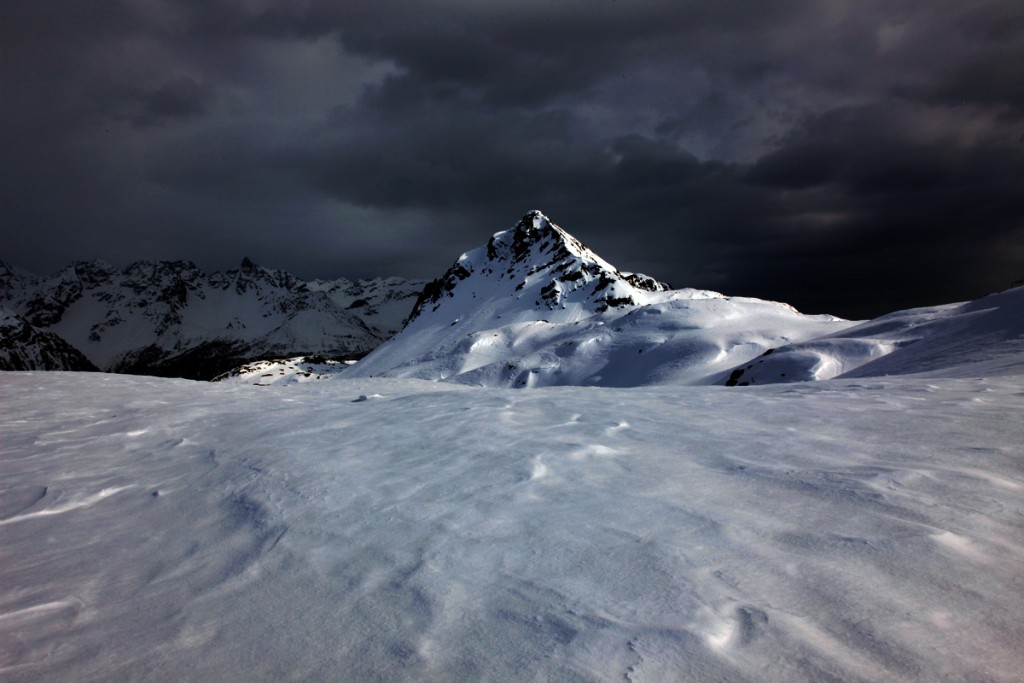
pixel 851 157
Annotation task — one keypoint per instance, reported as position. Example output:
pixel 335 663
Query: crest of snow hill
pixel 532 307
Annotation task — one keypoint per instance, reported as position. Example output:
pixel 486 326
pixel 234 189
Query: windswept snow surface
pixel 395 529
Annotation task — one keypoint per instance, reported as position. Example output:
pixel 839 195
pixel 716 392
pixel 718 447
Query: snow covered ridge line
pixel 532 307
pixel 170 318
pixel 937 339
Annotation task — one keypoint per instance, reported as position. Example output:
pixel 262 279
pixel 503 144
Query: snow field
pixel 857 529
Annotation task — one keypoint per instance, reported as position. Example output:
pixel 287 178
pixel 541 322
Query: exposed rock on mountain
pixel 23 347
pixel 285 371
pixel 538 266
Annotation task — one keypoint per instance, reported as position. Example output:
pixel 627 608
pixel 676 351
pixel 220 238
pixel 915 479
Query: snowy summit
pixel 535 307
pixel 538 262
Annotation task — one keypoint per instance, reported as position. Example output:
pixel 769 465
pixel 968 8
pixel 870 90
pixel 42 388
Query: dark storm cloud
pixel 986 70
pixel 182 98
pixel 891 215
pixel 848 157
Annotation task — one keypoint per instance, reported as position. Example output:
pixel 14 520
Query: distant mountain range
pixel 170 318
pixel 531 307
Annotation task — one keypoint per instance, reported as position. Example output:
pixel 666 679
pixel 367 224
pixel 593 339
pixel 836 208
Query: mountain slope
pixel 23 347
pixel 933 339
pixel 170 318
pixel 382 303
pixel 535 307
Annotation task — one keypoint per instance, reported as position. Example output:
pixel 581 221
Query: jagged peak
pixel 94 271
pixel 536 229
pixel 90 265
pixel 536 260
pixel 143 274
pixel 534 219
pixel 152 265
pixel 532 226
pixel 249 273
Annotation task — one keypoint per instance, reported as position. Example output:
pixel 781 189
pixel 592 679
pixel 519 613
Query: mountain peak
pixel 535 307
pixel 530 271
pixel 531 229
pixel 533 219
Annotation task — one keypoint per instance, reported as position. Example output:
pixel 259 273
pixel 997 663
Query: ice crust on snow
pixel 157 529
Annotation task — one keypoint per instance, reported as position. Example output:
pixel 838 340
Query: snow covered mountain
pixel 382 303
pixel 171 318
pixel 23 347
pixel 535 307
pixel 933 339
pixel 532 307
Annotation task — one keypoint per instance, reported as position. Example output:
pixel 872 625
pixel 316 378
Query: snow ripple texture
pixel 846 530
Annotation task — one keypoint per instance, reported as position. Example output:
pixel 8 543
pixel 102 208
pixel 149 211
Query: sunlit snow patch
pixel 285 370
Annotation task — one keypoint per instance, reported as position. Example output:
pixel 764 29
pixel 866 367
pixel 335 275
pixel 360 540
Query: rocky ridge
pixel 540 262
pixel 23 347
